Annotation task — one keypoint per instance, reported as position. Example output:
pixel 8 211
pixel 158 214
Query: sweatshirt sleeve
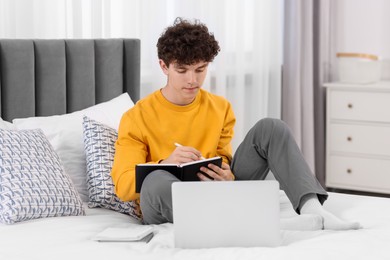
pixel 130 149
pixel 224 148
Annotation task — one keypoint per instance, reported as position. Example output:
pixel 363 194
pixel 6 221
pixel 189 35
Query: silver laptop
pixel 226 214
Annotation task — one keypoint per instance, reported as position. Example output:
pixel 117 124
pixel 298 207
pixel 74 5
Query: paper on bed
pixel 125 233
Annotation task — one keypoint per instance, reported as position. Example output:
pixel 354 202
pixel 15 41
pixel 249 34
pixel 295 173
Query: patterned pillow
pixel 33 183
pixel 99 142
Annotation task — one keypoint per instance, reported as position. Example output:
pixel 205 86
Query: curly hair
pixel 187 43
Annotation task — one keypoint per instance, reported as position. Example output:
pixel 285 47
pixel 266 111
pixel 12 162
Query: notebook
pixel 226 214
pixel 185 172
pixel 125 233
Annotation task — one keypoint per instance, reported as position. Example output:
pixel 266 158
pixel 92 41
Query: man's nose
pixel 191 77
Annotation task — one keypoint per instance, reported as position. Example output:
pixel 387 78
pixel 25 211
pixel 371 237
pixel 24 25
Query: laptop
pixel 226 214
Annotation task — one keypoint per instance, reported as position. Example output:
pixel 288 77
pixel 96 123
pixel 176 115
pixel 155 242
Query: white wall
pixel 361 26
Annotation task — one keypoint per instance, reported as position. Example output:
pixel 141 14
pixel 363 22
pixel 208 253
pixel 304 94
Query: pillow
pixel 99 141
pixel 33 183
pixel 6 125
pixel 65 133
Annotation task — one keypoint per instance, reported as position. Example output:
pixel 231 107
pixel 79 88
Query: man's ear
pixel 163 66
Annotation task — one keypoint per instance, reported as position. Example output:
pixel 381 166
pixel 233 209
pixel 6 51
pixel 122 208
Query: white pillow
pixel 6 125
pixel 65 133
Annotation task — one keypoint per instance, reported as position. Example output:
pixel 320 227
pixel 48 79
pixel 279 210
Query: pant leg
pixel 270 145
pixel 156 197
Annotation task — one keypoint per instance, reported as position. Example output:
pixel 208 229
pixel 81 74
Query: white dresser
pixel 358 137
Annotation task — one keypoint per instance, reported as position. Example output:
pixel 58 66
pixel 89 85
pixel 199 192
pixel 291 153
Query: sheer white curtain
pixel 247 71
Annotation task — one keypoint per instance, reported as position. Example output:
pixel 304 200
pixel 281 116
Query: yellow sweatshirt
pixel 148 131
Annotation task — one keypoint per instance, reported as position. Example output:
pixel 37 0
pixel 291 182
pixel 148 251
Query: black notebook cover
pixel 184 172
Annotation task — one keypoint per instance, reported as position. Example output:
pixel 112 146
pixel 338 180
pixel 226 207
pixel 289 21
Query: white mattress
pixel 70 237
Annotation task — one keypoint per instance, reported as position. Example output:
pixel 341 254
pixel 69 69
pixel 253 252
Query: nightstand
pixel 358 137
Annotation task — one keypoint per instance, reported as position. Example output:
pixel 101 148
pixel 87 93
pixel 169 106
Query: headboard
pixel 50 77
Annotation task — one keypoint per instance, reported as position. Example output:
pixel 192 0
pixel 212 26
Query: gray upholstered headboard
pixel 50 77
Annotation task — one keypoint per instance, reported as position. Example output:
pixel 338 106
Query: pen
pixel 178 145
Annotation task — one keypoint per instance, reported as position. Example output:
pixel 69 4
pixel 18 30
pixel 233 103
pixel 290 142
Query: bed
pixel 74 92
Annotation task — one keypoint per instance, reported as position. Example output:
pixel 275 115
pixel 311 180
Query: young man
pixel 182 112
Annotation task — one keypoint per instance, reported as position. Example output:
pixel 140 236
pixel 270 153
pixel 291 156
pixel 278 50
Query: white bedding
pixel 70 237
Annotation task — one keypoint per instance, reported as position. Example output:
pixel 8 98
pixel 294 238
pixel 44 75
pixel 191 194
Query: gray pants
pixel 269 145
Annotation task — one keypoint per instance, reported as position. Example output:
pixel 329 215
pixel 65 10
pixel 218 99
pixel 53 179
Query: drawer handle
pixel 349 171
pixel 349 139
pixel 350 105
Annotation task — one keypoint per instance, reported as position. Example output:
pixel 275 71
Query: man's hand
pixel 217 173
pixel 183 154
